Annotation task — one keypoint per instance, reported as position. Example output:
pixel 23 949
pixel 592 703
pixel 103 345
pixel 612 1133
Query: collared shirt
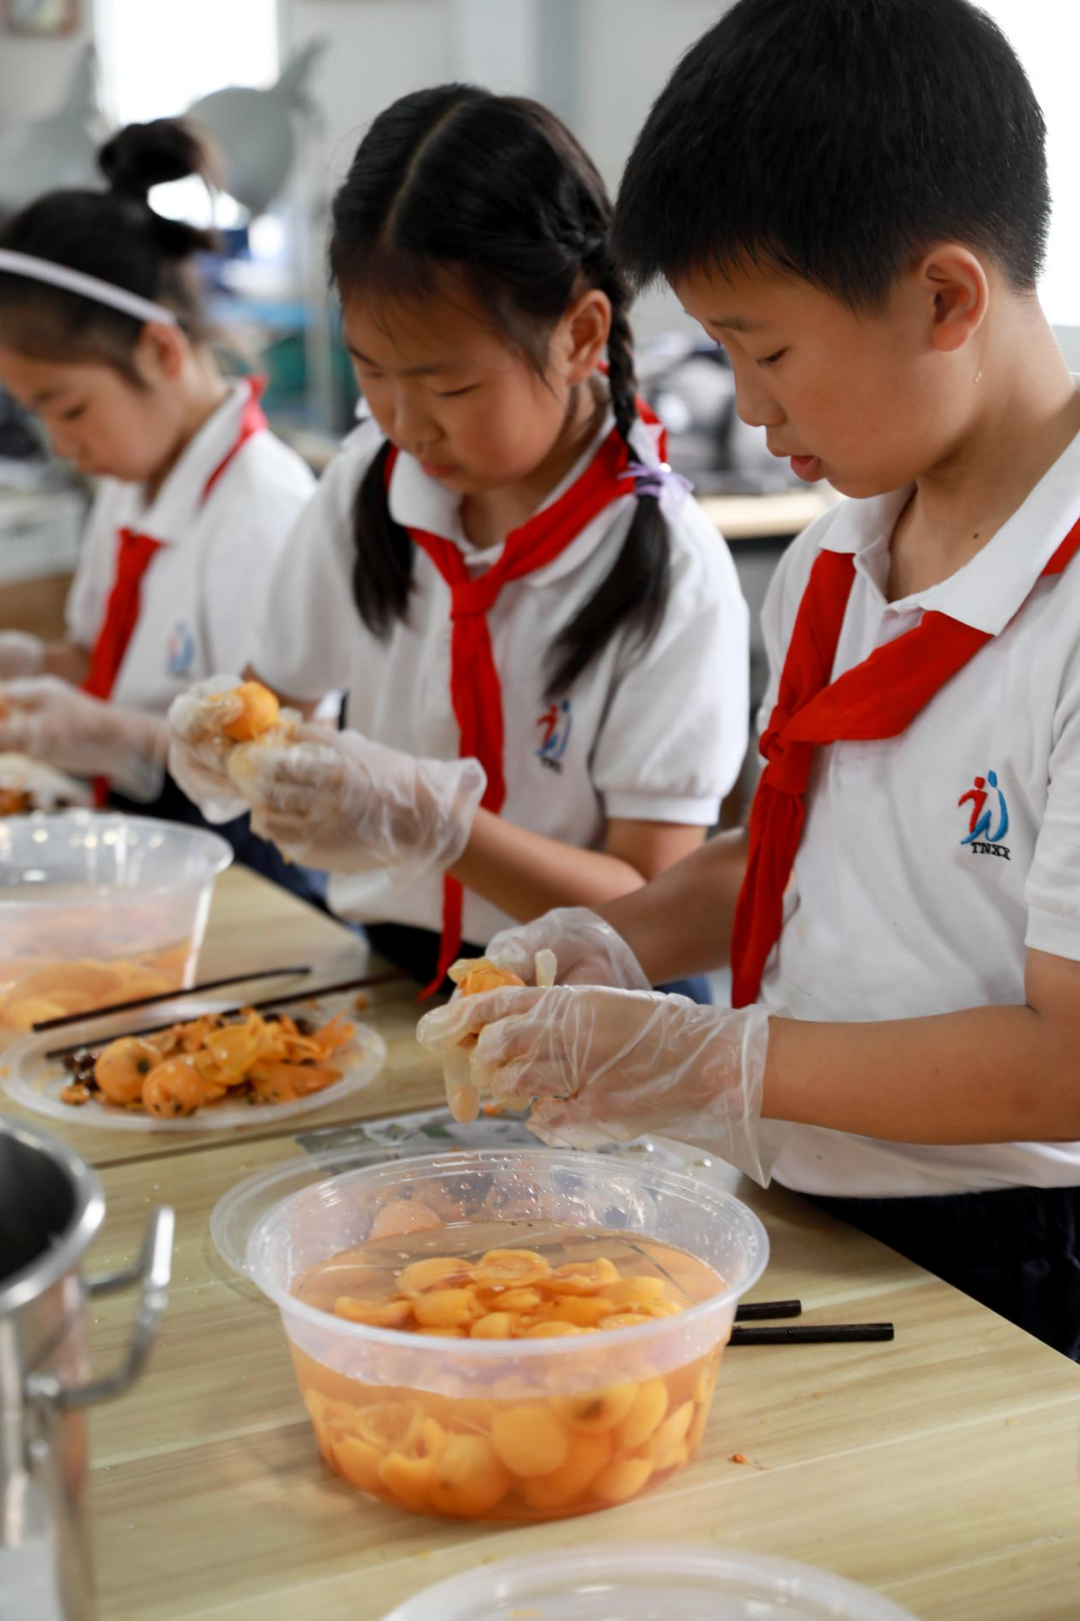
pixel 201 589
pixel 645 734
pixel 931 862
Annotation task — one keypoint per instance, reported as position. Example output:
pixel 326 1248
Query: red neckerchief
pixel 475 688
pixel 876 699
pixel 134 554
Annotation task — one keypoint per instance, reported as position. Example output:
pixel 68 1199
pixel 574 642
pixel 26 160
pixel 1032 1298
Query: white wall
pixel 35 73
pixel 629 50
pixel 379 50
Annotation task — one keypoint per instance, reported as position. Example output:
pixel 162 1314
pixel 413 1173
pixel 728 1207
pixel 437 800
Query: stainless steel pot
pixel 51 1206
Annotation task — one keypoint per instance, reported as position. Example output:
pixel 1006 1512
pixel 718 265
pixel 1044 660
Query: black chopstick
pixel 751 1311
pixel 65 1019
pixel 311 994
pixel 812 1334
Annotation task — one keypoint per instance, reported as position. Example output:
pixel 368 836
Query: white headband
pixel 104 292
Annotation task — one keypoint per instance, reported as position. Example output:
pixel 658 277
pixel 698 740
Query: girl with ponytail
pixel 542 638
pixel 102 335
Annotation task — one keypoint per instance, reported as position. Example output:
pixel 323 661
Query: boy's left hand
pixel 610 1065
pixel 335 800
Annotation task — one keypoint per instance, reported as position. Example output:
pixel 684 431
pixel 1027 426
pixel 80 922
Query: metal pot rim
pixel 89 1212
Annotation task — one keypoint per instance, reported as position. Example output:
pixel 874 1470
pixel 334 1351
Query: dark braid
pixel 635 591
pixel 381 544
pixel 497 190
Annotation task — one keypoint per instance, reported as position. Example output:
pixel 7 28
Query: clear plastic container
pixel 99 908
pixel 523 1429
pixel 664 1582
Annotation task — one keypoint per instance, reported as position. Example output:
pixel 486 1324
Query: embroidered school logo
pixel 989 820
pixel 556 724
pixel 179 651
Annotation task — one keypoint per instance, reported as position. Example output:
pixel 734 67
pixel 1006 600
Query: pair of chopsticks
pixel 309 993
pixel 799 1333
pixel 64 1019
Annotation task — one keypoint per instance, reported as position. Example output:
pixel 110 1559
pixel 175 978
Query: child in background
pixel 101 334
pixel 542 638
pixel 905 1044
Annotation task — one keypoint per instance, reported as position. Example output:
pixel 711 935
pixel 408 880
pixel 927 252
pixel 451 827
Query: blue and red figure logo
pixel 556 724
pixel 989 816
pixel 180 651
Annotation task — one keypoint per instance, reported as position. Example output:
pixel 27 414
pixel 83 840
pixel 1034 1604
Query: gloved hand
pixel 199 750
pixel 610 1065
pixel 588 950
pixel 20 654
pixel 337 801
pixel 53 721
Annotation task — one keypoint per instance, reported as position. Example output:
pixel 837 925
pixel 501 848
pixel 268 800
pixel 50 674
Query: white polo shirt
pixel 648 735
pixel 200 591
pixel 915 891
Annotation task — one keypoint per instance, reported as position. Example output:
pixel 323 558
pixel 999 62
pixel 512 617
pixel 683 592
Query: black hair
pixel 839 140
pixel 494 192
pixel 116 236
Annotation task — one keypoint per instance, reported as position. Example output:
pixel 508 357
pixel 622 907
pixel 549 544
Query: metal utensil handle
pixel 152 1271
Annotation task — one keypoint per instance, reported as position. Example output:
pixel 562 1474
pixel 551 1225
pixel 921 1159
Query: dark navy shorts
pixel 249 850
pixel 1015 1251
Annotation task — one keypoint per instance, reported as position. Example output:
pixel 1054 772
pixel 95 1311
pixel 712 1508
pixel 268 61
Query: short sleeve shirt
pixel 653 733
pixel 201 589
pixel 930 862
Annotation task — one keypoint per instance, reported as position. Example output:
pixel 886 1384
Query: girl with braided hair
pixel 541 636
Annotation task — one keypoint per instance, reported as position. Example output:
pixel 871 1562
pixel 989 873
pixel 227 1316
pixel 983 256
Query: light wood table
pixel 767 517
pixel 940 1469
pixel 255 924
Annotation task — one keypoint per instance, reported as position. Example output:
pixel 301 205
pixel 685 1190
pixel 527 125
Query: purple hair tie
pixel 654 480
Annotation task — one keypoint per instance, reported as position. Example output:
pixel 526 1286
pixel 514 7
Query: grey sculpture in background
pixel 253 130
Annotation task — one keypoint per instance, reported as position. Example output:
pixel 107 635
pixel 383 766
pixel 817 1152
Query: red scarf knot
pixel 471 599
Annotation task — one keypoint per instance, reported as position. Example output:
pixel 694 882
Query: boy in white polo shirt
pixel 905 1044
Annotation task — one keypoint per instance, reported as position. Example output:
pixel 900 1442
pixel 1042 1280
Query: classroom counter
pixel 940 1469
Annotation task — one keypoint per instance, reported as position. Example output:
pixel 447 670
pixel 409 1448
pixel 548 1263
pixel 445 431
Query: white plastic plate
pixel 36 1081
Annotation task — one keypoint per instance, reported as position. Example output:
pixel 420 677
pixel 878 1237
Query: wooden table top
pixel 940 1469
pixel 760 517
pixel 255 924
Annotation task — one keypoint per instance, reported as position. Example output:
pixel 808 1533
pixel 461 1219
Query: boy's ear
pixel 585 328
pixel 957 295
pixel 160 351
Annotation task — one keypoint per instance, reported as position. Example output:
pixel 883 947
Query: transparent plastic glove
pixel 473 975
pixel 337 801
pixel 20 654
pixel 199 750
pixel 609 1065
pixel 588 950
pixel 53 721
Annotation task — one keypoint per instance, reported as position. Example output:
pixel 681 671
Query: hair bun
pixel 141 156
pixel 178 240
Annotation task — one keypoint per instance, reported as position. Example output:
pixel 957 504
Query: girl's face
pixel 448 389
pixel 96 418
